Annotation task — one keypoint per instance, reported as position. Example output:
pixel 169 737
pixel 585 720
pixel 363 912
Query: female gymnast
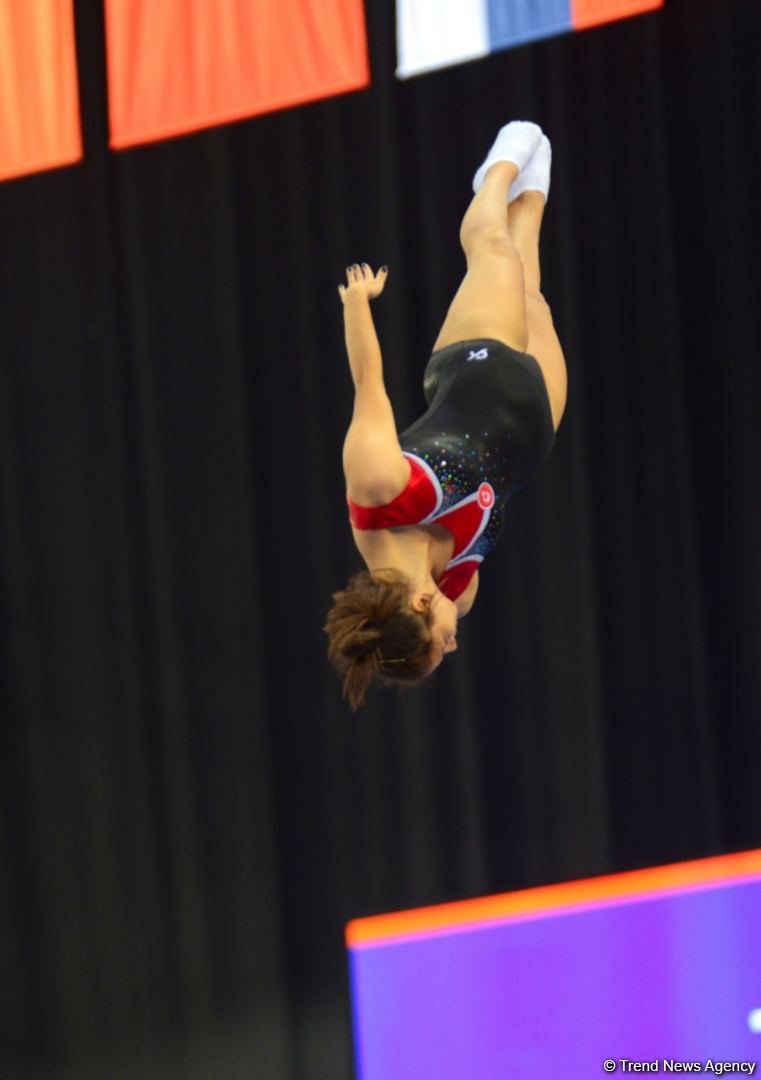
pixel 427 505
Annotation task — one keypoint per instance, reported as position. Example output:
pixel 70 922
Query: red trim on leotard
pixel 463 521
pixel 415 503
pixel 455 580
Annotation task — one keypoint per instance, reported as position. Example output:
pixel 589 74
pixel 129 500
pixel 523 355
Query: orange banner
pixel 175 66
pixel 39 96
pixel 586 13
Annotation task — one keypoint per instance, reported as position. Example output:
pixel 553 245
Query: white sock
pixel 536 174
pixel 516 142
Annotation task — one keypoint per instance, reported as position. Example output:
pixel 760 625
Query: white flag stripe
pixel 436 33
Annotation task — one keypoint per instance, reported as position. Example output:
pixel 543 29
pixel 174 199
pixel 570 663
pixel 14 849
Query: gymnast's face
pixel 443 626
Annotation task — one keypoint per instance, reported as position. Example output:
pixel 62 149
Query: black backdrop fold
pixel 189 812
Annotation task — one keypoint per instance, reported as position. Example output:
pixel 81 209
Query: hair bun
pixel 364 642
pixel 371 619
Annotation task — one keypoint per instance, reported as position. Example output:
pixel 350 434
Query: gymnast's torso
pixel 486 433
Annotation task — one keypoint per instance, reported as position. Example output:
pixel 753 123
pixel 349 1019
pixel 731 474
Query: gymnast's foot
pixel 535 176
pixel 516 142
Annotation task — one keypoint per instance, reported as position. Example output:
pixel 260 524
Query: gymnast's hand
pixel 363 282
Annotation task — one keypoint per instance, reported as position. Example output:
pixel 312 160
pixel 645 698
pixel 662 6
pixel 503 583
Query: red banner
pixel 39 95
pixel 175 66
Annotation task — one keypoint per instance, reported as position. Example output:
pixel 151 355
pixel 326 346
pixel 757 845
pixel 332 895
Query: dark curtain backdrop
pixel 190 814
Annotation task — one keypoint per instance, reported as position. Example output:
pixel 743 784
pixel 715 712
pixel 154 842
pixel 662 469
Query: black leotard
pixel 487 431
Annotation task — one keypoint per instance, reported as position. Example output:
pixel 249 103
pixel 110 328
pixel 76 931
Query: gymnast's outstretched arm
pixel 373 461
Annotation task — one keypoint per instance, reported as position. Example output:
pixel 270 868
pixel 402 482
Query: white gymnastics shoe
pixel 516 142
pixel 536 174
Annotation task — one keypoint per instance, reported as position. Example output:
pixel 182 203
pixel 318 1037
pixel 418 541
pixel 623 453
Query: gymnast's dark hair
pixel 375 636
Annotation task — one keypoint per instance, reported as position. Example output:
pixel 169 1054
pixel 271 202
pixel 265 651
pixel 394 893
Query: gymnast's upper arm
pixel 375 468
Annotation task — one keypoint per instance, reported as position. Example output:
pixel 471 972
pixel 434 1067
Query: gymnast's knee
pixel 487 240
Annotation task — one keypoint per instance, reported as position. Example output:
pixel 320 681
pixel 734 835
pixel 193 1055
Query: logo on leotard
pixel 486 496
pixel 482 354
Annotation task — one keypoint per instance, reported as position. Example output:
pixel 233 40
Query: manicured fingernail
pixel 384 269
